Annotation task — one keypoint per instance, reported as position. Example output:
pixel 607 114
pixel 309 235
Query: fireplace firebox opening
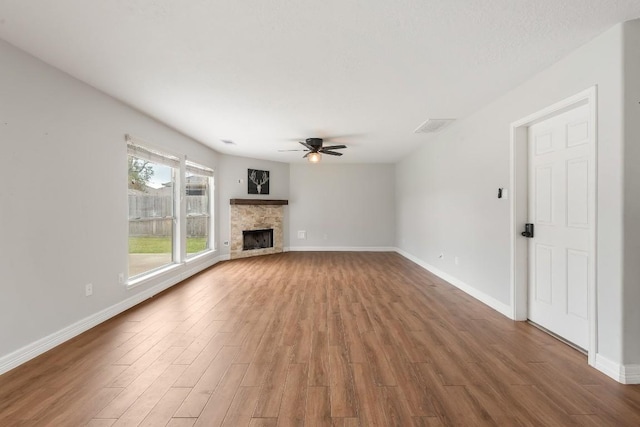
pixel 257 239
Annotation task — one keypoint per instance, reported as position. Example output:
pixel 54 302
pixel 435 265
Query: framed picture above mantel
pixel 257 181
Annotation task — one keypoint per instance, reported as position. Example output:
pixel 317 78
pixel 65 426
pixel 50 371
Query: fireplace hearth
pixel 257 239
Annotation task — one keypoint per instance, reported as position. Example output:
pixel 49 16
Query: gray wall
pixel 632 192
pixel 64 163
pixel 342 205
pixel 446 192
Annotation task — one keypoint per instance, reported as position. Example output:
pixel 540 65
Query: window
pixel 165 229
pixel 152 208
pixel 198 190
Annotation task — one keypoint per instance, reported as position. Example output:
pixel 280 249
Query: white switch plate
pixel 302 234
pixel 88 289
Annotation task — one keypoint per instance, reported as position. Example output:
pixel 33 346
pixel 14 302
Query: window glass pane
pixel 197 190
pixel 151 215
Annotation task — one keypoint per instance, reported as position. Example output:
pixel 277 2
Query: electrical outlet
pixel 302 234
pixel 225 243
pixel 121 278
pixel 88 289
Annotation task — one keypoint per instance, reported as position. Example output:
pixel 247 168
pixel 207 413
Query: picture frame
pixel 257 181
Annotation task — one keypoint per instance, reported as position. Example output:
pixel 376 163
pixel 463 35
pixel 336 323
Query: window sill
pixel 200 255
pixel 140 280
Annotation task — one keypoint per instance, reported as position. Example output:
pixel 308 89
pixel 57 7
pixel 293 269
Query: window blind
pixel 137 149
pixel 197 169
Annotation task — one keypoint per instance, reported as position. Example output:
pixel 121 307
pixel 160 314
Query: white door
pixel 561 192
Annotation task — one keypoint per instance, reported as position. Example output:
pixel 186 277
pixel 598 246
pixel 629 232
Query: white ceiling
pixel 264 73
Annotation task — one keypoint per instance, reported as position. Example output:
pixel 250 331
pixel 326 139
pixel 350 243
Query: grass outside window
pixel 161 245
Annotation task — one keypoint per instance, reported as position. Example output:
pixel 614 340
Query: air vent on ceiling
pixel 433 125
pixel 228 142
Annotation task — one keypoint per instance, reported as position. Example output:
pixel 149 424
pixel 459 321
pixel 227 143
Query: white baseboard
pixel 340 249
pixel 30 351
pixel 625 374
pixel 480 296
pixel 631 374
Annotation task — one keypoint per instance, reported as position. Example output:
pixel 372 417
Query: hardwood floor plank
pixel 370 401
pixel 163 411
pixel 343 397
pixel 357 353
pixel 181 422
pixel 380 368
pixel 318 411
pixel 302 342
pixel 396 408
pixel 103 422
pixel 268 405
pixel 79 410
pixel 242 407
pixel 199 365
pixel 294 399
pixel 409 382
pixel 137 412
pixel 215 410
pixel 200 343
pixel 319 361
pixel 535 408
pixel 427 422
pixel 345 422
pixel 263 422
pixel 135 389
pixel 207 384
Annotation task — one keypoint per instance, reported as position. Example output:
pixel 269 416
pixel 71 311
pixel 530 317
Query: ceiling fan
pixel 315 149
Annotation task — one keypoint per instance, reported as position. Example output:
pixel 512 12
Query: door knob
pixel 528 231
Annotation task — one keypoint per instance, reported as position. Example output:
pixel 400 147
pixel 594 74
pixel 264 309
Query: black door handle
pixel 528 231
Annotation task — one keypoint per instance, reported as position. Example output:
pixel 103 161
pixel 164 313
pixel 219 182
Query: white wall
pixel 447 191
pixel 232 170
pixel 63 198
pixel 632 192
pixel 342 206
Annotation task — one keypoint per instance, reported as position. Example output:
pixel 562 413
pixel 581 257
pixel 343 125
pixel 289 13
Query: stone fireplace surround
pixel 256 214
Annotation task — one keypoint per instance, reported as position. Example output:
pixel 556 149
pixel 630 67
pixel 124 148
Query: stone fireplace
pixel 261 220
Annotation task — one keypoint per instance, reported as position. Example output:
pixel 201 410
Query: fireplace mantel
pixel 261 202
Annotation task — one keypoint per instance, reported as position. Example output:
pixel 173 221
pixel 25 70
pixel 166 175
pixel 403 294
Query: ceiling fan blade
pixel 291 150
pixel 334 147
pixel 305 156
pixel 343 136
pixel 307 145
pixel 331 153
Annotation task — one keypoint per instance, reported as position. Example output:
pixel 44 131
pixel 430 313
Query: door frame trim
pixel 519 208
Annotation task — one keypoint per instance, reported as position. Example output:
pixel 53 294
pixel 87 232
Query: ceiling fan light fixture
pixel 314 157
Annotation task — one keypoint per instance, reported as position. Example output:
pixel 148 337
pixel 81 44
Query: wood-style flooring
pixel 314 339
